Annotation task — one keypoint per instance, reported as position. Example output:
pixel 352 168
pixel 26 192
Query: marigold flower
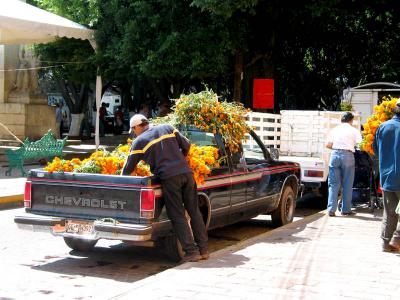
pixel 383 112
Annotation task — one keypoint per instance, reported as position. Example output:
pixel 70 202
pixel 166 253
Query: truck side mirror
pixel 274 152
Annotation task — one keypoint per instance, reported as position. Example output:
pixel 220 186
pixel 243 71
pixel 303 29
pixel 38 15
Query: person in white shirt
pixel 342 140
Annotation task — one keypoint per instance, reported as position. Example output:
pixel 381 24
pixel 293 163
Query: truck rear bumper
pixel 98 229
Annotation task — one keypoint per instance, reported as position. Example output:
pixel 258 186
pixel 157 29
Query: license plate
pixel 78 227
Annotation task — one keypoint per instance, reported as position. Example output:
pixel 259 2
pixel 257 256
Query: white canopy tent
pixel 21 23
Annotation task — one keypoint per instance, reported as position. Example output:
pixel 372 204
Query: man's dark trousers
pixel 390 221
pixel 180 193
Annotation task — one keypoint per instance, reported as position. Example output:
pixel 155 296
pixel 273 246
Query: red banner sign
pixel 263 93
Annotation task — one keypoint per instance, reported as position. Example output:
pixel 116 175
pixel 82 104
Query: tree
pixel 314 49
pixel 168 46
pixel 346 48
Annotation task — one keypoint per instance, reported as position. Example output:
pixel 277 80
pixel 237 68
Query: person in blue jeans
pixel 386 146
pixel 343 140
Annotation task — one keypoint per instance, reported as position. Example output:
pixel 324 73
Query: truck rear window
pixel 200 138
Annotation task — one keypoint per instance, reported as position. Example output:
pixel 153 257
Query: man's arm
pixel 130 164
pixel 133 159
pixel 329 140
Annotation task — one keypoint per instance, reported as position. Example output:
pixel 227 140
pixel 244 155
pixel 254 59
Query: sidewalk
pixel 12 187
pixel 318 257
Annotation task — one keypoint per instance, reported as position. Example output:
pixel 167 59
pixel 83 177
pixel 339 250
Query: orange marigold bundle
pixel 382 113
pixel 201 160
pixel 99 162
pixel 62 165
pixel 207 113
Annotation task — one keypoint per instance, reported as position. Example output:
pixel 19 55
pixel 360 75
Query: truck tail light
pixel 313 173
pixel 27 194
pixel 147 203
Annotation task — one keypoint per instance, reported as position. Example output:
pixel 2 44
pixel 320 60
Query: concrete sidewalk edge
pixel 222 252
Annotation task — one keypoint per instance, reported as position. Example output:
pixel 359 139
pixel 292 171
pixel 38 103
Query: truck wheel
pixel 172 247
pixel 323 191
pixel 285 212
pixel 80 244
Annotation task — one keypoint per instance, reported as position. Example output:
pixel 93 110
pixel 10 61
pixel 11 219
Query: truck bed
pixel 87 196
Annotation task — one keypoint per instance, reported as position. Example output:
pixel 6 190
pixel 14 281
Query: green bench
pixel 46 147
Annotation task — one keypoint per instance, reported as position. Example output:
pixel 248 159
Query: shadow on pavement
pixel 229 260
pixel 120 262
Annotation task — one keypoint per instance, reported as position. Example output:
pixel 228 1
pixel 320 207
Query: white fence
pixel 267 126
pixel 296 132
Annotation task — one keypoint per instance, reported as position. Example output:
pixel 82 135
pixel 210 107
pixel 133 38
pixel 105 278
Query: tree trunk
pixel 237 85
pixel 76 120
pixel 126 96
pixel 158 89
pixel 76 103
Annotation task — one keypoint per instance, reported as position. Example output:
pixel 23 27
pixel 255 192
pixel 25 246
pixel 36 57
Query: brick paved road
pixel 40 266
pixel 320 258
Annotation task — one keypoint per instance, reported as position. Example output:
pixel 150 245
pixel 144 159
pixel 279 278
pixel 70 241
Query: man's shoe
pixel 350 213
pixel 204 254
pixel 390 248
pixel 395 243
pixel 192 257
pixel 331 214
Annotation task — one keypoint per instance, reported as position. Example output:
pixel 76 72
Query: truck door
pixel 218 185
pixel 239 184
pixel 262 189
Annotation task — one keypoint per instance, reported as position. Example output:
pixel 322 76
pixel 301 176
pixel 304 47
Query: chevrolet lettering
pixel 78 201
pixel 83 208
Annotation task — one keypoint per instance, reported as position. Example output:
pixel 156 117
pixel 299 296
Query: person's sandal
pixel 390 248
pixel 395 243
pixel 192 257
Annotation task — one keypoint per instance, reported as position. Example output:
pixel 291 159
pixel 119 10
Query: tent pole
pixel 98 104
pixel 98 98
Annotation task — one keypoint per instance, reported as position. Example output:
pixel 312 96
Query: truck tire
pixel 80 245
pixel 172 248
pixel 324 191
pixel 285 212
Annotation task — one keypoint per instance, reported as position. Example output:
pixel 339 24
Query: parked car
pixel 83 208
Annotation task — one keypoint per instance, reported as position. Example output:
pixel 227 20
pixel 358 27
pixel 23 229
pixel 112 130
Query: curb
pixel 11 201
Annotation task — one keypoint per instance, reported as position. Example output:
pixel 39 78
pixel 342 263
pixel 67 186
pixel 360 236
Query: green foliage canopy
pixel 312 49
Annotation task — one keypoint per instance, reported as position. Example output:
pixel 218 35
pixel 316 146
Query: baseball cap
pixel 136 120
